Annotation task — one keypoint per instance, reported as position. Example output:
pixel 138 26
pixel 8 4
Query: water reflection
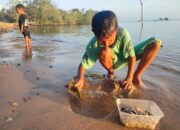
pixel 64 46
pixel 27 55
pixel 61 29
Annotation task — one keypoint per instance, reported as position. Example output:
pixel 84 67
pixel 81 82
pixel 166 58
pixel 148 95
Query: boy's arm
pixel 22 22
pixel 128 52
pixel 88 60
pixel 80 81
pixel 81 71
pixel 22 28
pixel 131 66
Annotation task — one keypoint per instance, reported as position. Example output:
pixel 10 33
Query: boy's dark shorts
pixel 26 33
pixel 139 51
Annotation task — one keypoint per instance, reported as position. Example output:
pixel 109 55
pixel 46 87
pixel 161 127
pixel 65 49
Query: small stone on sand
pixel 9 119
pixel 37 78
pixel 14 104
pixel 24 99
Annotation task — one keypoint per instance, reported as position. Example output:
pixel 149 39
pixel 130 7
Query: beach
pixel 32 92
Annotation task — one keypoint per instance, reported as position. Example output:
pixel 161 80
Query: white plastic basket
pixel 139 121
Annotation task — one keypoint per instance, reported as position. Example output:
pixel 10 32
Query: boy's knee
pixel 106 54
pixel 157 45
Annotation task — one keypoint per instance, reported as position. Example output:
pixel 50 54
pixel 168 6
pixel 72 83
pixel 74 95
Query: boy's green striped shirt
pixel 122 48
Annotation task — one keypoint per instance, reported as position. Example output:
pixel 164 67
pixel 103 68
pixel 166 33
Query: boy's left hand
pixel 127 83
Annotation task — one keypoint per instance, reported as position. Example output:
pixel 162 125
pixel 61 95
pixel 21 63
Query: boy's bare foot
pixel 30 47
pixel 26 46
pixel 138 81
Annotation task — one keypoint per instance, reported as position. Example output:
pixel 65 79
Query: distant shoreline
pixel 33 24
pixel 151 20
pixel 6 27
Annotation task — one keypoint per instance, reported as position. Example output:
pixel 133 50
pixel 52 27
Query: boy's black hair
pixel 20 6
pixel 104 23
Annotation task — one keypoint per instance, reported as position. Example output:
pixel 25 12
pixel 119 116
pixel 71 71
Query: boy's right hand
pixel 79 83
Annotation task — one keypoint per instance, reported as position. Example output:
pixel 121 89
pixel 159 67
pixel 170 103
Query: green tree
pixel 44 12
pixel 88 16
pixel 166 18
pixel 75 16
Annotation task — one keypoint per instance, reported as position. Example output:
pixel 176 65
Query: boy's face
pixel 107 41
pixel 19 10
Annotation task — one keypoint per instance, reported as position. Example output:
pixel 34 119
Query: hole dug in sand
pixel 97 98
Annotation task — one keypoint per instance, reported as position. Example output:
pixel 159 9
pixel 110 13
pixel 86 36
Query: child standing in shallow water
pixel 24 25
pixel 113 47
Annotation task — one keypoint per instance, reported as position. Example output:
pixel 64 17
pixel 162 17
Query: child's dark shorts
pixel 139 51
pixel 26 33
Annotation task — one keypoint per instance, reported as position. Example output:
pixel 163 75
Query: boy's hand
pixel 79 83
pixel 127 83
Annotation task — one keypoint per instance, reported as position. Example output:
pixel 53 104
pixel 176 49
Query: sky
pixel 126 10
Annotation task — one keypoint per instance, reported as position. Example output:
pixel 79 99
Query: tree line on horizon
pixel 44 12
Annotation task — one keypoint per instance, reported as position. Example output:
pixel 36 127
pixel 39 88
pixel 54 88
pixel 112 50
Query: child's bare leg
pixel 106 59
pixel 146 60
pixel 26 41
pixel 29 43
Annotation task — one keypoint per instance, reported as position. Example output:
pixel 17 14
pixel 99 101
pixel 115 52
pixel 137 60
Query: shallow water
pixel 63 47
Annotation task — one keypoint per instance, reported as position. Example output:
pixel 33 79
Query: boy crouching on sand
pixel 23 25
pixel 113 47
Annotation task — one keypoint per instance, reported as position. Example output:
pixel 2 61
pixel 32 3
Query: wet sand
pixel 35 83
pixel 43 103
